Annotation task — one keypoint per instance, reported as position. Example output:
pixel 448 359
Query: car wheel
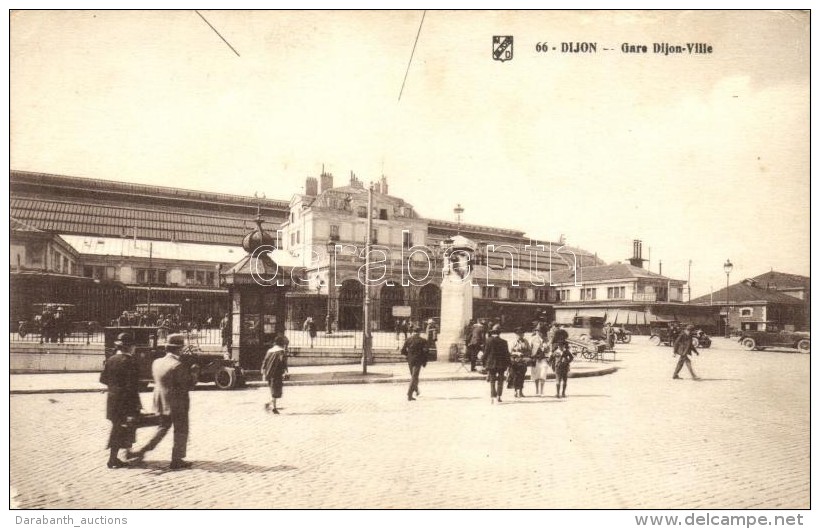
pixel 803 345
pixel 226 378
pixel 655 339
pixel 584 338
pixel 748 344
pixel 695 342
pixel 627 338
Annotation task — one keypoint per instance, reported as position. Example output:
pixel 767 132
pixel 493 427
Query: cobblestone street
pixel 634 439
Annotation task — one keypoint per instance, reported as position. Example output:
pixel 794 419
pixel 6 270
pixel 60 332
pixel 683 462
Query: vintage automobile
pixel 774 337
pixel 587 328
pixel 666 335
pixel 206 367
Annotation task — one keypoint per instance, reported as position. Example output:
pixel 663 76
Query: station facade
pixel 129 244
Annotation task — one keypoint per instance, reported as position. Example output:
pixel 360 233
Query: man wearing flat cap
pixel 172 381
pixel 684 347
pixel 122 406
pixel 415 349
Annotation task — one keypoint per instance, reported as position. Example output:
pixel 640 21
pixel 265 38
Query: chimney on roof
pixel 355 182
pixel 637 254
pixel 325 181
pixel 383 185
pixel 311 186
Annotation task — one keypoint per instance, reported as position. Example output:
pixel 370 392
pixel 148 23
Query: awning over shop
pixel 522 303
pixel 592 313
pixel 626 317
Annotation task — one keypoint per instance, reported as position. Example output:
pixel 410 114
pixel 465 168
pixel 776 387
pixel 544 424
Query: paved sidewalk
pixel 738 438
pixel 299 376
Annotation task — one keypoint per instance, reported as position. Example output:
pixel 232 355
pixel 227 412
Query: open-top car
pixel 773 336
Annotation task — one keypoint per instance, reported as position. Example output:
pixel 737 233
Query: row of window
pixel 590 294
pixel 407 237
pixel 151 276
pixel 517 294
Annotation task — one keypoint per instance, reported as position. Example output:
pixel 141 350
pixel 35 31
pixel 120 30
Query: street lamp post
pixel 727 267
pixel 331 280
pixel 458 210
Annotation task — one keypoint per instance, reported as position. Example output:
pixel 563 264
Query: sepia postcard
pixel 406 259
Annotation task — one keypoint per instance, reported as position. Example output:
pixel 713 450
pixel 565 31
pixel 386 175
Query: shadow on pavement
pixel 317 412
pixel 219 467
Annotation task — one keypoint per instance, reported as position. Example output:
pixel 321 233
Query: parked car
pixel 667 334
pixel 773 337
pixel 587 328
pixel 205 367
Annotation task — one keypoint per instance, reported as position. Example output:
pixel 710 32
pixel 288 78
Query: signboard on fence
pixel 401 311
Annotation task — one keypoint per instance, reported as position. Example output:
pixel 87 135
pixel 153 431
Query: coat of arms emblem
pixel 502 48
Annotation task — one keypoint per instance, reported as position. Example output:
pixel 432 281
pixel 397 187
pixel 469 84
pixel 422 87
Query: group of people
pixel 172 382
pixel 547 349
pixel 405 327
pixel 52 322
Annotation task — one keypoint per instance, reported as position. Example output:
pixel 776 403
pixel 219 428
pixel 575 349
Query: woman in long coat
pixel 122 407
pixel 273 370
pixel 520 359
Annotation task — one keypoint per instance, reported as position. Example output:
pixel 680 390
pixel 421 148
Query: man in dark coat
pixel 497 354
pixel 683 347
pixel 415 349
pixel 172 381
pixel 122 407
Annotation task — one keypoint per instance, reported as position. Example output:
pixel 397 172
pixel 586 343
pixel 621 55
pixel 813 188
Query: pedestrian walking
pixel 683 346
pixel 497 354
pixel 60 325
pixel 562 358
pixel 310 328
pixel 432 329
pixel 478 336
pixel 416 350
pixel 609 336
pixel 559 337
pixel 172 382
pixel 540 353
pixel 520 354
pixel 122 406
pixel 274 367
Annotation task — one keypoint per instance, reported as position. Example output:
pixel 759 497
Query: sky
pixel 704 157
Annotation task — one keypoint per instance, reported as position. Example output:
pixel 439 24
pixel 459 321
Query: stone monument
pixel 456 295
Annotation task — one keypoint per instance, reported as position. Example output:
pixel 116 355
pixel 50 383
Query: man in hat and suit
pixel 497 355
pixel 683 347
pixel 172 381
pixel 122 406
pixel 415 349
